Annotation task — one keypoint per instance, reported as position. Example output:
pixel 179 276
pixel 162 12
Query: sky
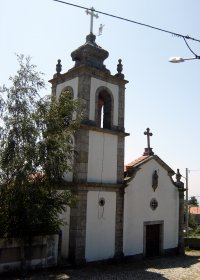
pixel 160 95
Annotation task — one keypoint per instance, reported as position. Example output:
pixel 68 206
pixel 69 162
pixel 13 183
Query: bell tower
pixel 98 170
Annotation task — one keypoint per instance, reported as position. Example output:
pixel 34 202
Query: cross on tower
pixel 148 151
pixel 92 15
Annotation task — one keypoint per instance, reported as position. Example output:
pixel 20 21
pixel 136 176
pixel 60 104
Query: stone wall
pixel 192 242
pixel 17 255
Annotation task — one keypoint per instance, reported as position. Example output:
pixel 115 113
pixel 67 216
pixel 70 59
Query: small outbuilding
pixel 153 205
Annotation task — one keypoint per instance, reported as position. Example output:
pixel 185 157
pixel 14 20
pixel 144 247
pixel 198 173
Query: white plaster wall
pixel 137 209
pixel 65 216
pixel 73 83
pixel 95 84
pixel 100 226
pixel 102 159
pixel 68 175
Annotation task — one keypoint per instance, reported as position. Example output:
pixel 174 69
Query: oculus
pixel 153 204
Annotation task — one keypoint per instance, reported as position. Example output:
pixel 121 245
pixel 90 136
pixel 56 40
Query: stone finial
pixel 119 66
pixel 178 176
pixel 119 69
pixel 178 182
pixel 58 67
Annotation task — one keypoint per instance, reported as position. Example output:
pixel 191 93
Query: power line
pixel 132 21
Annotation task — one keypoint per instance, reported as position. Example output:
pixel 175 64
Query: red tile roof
pixel 143 159
pixel 136 161
pixel 194 210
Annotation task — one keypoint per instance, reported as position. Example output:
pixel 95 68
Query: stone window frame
pixel 109 122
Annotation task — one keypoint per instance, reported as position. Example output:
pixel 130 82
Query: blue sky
pixel 159 95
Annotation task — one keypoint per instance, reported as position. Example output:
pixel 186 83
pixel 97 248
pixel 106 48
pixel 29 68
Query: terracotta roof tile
pixel 194 210
pixel 136 161
pixel 143 159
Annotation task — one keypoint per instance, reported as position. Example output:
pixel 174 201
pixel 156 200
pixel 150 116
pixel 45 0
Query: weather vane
pixel 101 29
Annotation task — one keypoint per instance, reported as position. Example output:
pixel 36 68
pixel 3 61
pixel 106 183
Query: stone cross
pixel 148 133
pixel 92 15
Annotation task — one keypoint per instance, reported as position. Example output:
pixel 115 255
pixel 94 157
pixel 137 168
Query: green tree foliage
pixel 192 223
pixel 193 201
pixel 36 148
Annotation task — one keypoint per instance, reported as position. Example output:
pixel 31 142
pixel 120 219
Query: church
pixel 121 212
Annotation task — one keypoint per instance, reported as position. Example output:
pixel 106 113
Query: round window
pixel 101 201
pixel 153 204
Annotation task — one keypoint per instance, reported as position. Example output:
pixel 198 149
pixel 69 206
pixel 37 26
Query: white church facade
pixel 117 213
pixel 151 208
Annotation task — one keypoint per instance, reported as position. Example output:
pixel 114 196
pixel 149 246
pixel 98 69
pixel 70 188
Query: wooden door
pixel 152 240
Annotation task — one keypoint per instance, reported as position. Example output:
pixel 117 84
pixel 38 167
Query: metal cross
pixel 148 133
pixel 92 14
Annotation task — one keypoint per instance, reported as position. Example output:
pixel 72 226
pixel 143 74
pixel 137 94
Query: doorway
pixel 153 237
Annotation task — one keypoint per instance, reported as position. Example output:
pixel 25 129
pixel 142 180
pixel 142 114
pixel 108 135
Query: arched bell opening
pixel 104 110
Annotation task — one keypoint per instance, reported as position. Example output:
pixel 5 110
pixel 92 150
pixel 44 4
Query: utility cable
pixel 132 21
pixel 197 56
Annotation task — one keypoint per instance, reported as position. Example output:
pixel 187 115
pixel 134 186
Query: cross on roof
pixel 92 15
pixel 148 133
pixel 148 150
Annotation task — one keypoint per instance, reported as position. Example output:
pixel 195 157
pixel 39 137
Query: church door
pixel 153 240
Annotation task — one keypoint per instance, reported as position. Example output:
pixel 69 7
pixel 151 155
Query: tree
pixel 192 223
pixel 36 148
pixel 193 201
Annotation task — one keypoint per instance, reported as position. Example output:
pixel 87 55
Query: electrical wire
pixel 197 56
pixel 132 21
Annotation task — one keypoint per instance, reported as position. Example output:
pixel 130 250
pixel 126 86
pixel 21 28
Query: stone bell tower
pixel 99 165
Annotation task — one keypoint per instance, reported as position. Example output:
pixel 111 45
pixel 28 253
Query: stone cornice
pixel 103 130
pixel 85 70
pixel 87 186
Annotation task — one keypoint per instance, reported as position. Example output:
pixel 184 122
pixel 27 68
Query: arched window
pixel 68 115
pixel 104 109
pixel 68 91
